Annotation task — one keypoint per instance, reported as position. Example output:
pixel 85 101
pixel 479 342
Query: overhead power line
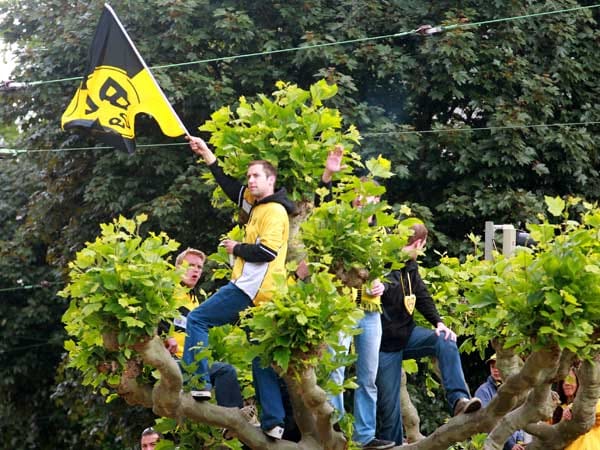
pixel 43 284
pixel 13 152
pixel 496 128
pixel 423 30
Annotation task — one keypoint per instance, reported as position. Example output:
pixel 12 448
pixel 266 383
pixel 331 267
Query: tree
pixel 121 288
pixel 514 73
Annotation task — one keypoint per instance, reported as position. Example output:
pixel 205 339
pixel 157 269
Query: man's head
pixel 419 233
pixel 494 371
pixel 193 261
pixel 569 385
pixel 261 177
pixel 417 241
pixel 150 438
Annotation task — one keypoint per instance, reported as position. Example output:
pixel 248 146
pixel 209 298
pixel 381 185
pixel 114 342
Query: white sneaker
pixel 275 432
pixel 201 395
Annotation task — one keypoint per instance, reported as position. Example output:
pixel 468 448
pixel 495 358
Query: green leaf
pixel 282 358
pixel 556 205
pixel 380 167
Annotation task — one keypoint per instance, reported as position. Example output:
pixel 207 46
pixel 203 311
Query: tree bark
pixel 410 415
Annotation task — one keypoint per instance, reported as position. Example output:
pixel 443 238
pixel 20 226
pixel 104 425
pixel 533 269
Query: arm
pixel 484 393
pixel 425 305
pixel 232 187
pixel 424 302
pixel 170 343
pixel 269 242
pixel 200 148
pixel 333 164
pixel 249 252
pixel 390 287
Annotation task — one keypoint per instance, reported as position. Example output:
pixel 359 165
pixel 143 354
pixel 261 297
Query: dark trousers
pixel 227 387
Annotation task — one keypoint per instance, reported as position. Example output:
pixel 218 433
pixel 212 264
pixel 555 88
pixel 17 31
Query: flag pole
pixel 107 6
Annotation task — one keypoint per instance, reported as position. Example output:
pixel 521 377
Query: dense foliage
pixel 122 287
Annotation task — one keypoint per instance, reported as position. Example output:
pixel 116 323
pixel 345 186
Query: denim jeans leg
pixel 365 396
pixel 424 342
pixel 389 413
pixel 227 387
pixel 337 376
pixel 222 307
pixel 268 394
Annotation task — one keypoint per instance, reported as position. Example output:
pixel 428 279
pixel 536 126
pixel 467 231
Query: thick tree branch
pixel 315 399
pixel 534 379
pixel 410 415
pixel 167 399
pixel 584 412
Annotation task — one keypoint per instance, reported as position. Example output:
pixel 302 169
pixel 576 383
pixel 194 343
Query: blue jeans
pixel 422 342
pixel 227 387
pixel 223 307
pixel 268 385
pixel 365 396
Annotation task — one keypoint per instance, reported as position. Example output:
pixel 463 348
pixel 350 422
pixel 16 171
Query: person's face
pixel 260 184
pixel 194 269
pixel 495 372
pixel 360 201
pixel 149 441
pixel 570 384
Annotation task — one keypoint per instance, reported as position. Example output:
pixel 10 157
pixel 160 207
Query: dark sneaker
pixel 378 444
pixel 201 395
pixel 466 406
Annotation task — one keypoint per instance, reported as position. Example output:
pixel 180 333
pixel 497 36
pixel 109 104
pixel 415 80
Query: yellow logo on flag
pixel 113 99
pixel 116 87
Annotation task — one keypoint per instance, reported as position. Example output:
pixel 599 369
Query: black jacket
pixel 396 321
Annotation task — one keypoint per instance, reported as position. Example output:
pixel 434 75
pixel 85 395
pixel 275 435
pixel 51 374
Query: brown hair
pixel 419 232
pixel 269 168
pixel 189 251
pixel 365 179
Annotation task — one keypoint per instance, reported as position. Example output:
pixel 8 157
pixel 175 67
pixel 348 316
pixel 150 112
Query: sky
pixel 6 63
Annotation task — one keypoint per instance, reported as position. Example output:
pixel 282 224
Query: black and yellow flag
pixel 118 85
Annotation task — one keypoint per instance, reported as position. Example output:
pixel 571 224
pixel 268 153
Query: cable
pixel 505 127
pixel 426 30
pixel 43 284
pixel 25 347
pixel 11 152
pixel 17 152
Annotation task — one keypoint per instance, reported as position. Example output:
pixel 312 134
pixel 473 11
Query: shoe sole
pixel 201 395
pixel 275 434
pixel 472 407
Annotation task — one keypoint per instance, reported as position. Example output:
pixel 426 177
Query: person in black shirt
pixel 405 291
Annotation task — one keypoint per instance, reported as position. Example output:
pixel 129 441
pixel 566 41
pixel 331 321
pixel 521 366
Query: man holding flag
pixel 257 260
